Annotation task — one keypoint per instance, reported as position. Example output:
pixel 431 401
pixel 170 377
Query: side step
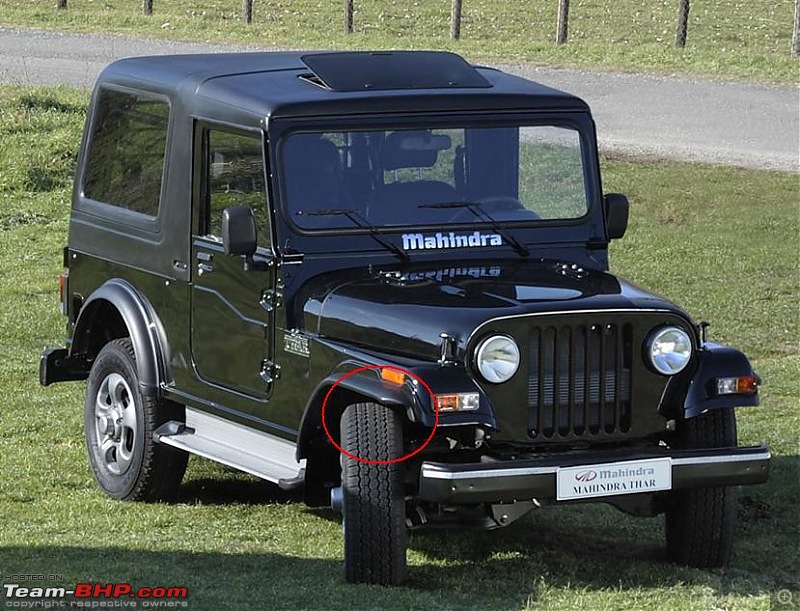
pixel 265 456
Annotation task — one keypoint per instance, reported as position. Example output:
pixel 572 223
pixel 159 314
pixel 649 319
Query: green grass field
pixel 726 38
pixel 721 241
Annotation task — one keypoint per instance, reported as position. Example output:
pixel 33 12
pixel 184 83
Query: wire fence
pixel 682 23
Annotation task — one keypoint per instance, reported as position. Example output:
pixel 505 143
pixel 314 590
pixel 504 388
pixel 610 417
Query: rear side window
pixel 126 153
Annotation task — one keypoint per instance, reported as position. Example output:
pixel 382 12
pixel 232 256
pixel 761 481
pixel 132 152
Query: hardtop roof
pixel 265 85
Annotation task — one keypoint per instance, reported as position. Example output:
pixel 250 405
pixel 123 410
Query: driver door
pixel 232 321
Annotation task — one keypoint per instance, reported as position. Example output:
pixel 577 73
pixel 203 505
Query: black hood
pixel 402 310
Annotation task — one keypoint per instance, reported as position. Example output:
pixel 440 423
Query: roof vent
pixel 385 70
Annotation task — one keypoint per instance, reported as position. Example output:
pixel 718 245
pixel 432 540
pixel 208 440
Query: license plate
pixel 612 479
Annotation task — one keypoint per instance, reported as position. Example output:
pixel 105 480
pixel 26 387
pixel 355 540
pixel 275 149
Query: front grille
pixel 579 381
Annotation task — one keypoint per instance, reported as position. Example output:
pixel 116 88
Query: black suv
pixel 382 278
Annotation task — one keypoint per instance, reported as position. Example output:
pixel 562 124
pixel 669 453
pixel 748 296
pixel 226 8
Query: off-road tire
pixel 373 496
pixel 130 465
pixel 700 522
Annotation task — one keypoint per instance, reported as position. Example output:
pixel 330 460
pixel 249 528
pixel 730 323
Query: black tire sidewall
pixel 116 357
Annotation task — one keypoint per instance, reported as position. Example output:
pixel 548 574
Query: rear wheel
pixel 700 523
pixel 373 496
pixel 119 423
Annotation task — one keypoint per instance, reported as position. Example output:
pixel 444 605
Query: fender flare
pixel 714 361
pixel 144 329
pixel 366 385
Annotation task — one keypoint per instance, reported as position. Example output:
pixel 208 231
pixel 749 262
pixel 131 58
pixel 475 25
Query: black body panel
pixel 245 88
pixel 717 361
pixel 402 309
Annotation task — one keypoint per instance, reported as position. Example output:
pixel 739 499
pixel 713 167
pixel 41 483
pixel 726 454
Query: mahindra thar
pixel 382 278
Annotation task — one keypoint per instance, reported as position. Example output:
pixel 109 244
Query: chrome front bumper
pixel 535 478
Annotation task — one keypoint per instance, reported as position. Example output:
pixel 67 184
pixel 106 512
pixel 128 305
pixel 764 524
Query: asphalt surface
pixel 743 124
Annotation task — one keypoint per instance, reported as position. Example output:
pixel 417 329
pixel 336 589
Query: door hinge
pixel 270 371
pixel 271 299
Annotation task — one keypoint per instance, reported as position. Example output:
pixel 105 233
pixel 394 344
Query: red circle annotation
pixel 393 460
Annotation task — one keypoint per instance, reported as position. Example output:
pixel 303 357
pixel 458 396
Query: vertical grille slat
pixel 576 405
pixel 534 384
pixel 618 366
pixel 547 383
pixel 571 383
pixel 601 370
pixel 587 380
pixel 559 414
pixel 579 380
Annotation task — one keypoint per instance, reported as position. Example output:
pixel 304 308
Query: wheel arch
pixel 116 310
pixel 363 386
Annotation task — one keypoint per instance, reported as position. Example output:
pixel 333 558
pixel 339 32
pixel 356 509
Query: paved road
pixel 731 123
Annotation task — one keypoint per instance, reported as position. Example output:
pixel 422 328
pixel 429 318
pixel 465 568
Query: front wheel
pixel 373 496
pixel 119 423
pixel 700 522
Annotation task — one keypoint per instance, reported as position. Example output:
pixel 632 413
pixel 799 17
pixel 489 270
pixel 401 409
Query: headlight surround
pixel 669 350
pixel 497 358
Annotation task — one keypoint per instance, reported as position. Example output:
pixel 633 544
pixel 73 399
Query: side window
pixel 127 150
pixel 235 177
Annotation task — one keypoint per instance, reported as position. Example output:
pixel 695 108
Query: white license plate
pixel 612 479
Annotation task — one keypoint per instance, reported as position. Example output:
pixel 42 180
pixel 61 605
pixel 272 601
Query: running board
pixel 265 456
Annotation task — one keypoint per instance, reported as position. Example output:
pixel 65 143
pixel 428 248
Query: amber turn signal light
pixel 393 376
pixel 743 385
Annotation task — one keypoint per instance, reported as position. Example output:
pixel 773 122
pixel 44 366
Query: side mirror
pixel 239 231
pixel 617 207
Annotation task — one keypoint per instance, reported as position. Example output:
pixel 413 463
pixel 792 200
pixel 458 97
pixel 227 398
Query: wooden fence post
pixel 455 20
pixel 148 7
pixel 683 23
pixel 247 11
pixel 796 33
pixel 348 16
pixel 61 4
pixel 563 22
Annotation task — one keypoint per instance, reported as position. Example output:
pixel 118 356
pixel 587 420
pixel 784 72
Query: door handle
pixel 204 268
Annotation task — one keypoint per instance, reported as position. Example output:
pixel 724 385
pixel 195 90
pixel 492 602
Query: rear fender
pixel 117 310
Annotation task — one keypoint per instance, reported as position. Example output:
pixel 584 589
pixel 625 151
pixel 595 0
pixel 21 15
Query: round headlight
pixel 497 358
pixel 669 350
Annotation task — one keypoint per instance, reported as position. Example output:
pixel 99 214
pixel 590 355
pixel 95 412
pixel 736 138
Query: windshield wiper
pixel 359 221
pixel 481 214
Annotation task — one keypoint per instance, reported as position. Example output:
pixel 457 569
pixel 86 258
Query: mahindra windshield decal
pixel 451 239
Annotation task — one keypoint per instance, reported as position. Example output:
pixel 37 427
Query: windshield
pixel 433 176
